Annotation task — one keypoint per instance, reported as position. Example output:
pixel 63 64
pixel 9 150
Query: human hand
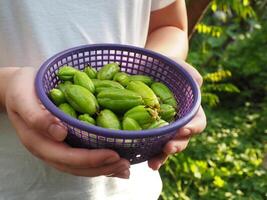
pixel 43 134
pixel 181 139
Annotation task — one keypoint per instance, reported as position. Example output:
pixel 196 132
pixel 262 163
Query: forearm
pixel 5 76
pixel 169 41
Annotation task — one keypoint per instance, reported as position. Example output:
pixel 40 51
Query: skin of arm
pixel 5 75
pixel 168 35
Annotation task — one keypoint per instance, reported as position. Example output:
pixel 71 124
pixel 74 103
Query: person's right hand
pixel 43 134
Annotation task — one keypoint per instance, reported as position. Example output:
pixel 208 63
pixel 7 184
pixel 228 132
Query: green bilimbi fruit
pixel 87 119
pixel 81 78
pixel 122 78
pixel 101 85
pixel 66 108
pixel 149 97
pixel 158 124
pixel 141 114
pixel 119 100
pixel 164 93
pixel 108 71
pixel 145 79
pixel 107 119
pixel 62 86
pixel 81 99
pixel 66 73
pixel 90 71
pixel 167 112
pixel 130 124
pixel 57 96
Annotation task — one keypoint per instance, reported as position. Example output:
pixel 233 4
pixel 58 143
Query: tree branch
pixel 195 12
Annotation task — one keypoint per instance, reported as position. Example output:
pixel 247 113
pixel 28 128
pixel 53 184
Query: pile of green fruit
pixel 113 99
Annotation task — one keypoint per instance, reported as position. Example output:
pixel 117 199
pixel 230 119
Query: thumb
pixel 21 99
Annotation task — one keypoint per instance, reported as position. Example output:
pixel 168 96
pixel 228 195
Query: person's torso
pixel 31 31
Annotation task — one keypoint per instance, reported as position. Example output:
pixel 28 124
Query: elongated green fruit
pixel 87 119
pixel 130 124
pixel 57 96
pixel 158 124
pixel 90 71
pixel 108 71
pixel 103 84
pixel 81 99
pixel 62 86
pixel 141 114
pixel 81 78
pixel 122 78
pixel 145 79
pixel 167 112
pixel 164 93
pixel 146 92
pixel 119 100
pixel 66 108
pixel 66 73
pixel 107 119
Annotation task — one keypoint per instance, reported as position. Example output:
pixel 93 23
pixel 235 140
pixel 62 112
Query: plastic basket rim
pixel 174 126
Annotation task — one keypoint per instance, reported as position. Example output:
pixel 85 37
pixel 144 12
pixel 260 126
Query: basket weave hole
pixel 112 58
pixel 86 53
pixel 118 58
pixel 124 58
pixel 86 59
pixel 138 155
pixel 130 60
pixel 125 53
pixel 123 64
pixel 118 52
pixel 99 58
pixel 74 56
pixel 119 141
pixel 112 52
pixel 99 63
pixel 110 140
pixel 75 63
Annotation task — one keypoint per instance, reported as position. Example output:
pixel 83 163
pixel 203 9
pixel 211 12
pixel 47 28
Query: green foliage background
pixel 226 160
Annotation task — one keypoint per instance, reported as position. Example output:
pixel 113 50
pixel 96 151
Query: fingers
pixel 122 174
pixel 196 125
pixel 60 153
pixel 118 169
pixel 181 140
pixel 156 162
pixel 176 145
pixel 23 100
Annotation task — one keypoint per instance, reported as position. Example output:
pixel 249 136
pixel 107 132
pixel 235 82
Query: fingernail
pixel 158 166
pixel 125 174
pixel 173 150
pixel 111 160
pixel 57 131
pixel 186 132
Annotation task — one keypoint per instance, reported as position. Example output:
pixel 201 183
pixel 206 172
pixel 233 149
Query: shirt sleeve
pixel 158 4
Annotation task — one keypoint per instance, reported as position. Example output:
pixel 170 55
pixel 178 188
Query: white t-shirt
pixel 30 32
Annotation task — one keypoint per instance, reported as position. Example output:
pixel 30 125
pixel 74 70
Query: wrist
pixel 6 74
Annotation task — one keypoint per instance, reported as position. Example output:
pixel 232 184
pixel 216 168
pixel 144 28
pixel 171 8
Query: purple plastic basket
pixel 136 146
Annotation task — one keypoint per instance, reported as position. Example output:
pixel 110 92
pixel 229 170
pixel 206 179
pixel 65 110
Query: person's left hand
pixel 181 139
